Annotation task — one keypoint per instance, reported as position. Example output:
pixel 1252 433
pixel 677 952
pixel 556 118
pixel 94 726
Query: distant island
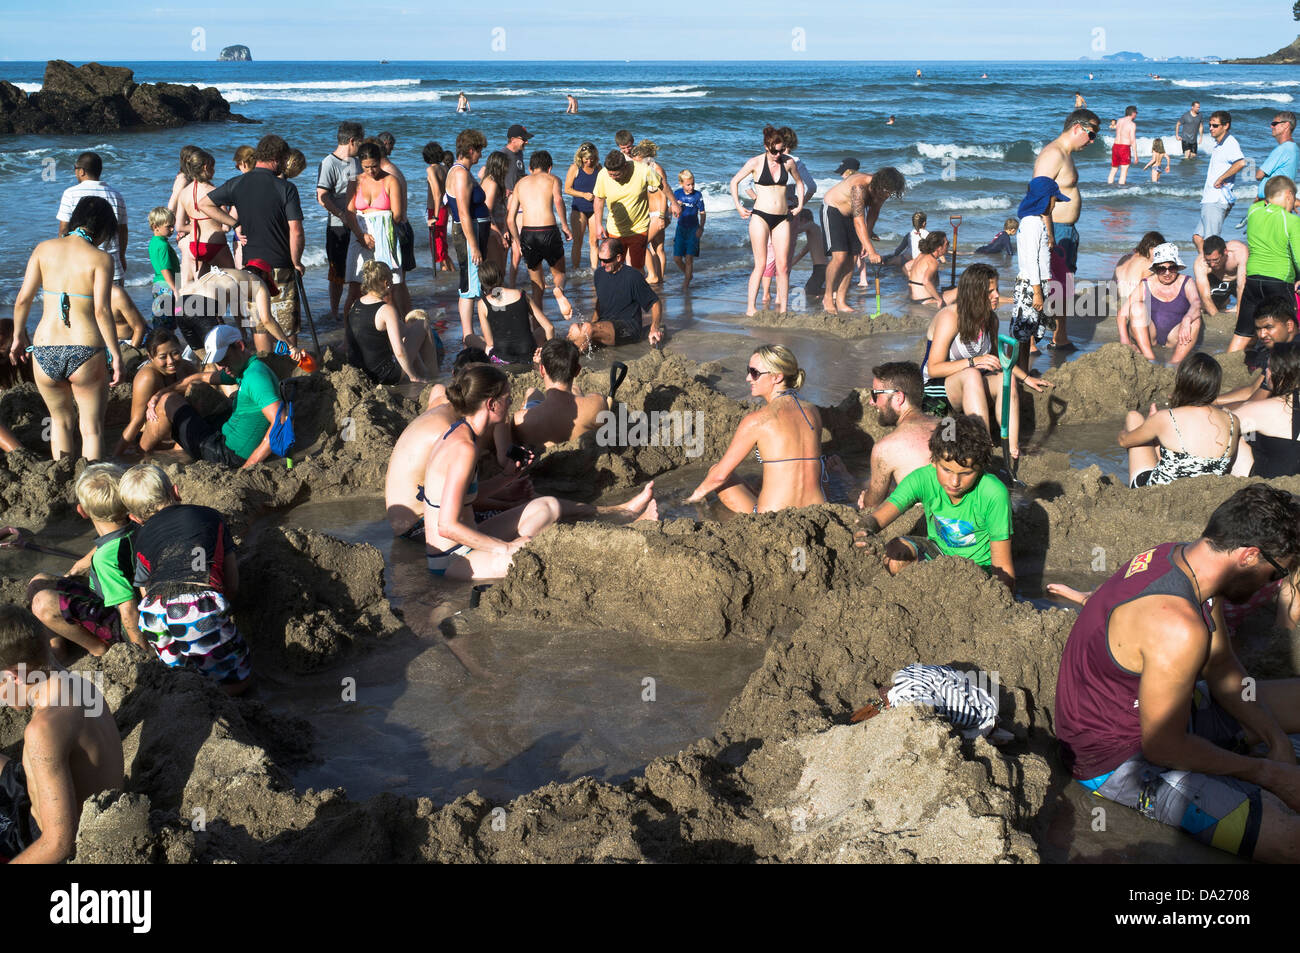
pixel 1287 56
pixel 1128 56
pixel 236 53
pixel 94 98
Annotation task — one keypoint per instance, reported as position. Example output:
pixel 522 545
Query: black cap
pixel 848 163
pixel 518 132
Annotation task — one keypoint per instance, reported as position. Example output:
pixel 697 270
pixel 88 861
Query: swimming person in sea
pixel 785 435
pixel 454 545
pixel 75 345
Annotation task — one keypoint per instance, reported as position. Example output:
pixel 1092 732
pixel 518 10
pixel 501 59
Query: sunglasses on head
pixel 753 373
pixel 1278 571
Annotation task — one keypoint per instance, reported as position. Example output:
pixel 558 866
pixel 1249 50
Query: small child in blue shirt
pixel 690 225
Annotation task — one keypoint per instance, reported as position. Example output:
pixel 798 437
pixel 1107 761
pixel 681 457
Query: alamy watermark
pixel 655 428
pixel 76 689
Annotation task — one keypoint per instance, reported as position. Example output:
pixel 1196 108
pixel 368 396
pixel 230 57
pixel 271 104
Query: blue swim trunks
pixel 686 240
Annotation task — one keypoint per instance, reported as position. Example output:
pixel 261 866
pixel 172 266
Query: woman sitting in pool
pixel 785 435
pixel 454 544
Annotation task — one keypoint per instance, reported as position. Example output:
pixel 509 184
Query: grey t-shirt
pixel 1188 131
pixel 336 175
pixel 516 170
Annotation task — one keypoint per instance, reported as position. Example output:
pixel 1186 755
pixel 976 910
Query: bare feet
pixel 566 309
pixel 640 507
pixel 845 309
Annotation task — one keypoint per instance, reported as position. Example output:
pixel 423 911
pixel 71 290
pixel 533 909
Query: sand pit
pixel 782 778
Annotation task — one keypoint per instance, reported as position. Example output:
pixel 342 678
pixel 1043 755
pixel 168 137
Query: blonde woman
pixel 785 435
pixel 661 200
pixel 580 184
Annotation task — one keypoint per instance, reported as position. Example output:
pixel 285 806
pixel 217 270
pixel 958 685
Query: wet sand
pixel 516 731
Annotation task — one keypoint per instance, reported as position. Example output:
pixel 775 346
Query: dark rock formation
pixel 95 98
pixel 237 52
pixel 1289 55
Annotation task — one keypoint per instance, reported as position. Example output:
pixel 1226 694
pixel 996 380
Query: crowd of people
pixel 229 295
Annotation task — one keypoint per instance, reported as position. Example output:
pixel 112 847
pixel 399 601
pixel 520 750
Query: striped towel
pixel 955 695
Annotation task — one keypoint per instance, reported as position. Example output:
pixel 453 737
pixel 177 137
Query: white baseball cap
pixel 218 342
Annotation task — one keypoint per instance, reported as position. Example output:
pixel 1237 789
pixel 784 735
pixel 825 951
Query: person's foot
pixel 845 309
pixel 1068 593
pixel 566 309
pixel 642 506
pixel 828 305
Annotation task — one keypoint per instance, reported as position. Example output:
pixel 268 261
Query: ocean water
pixel 965 144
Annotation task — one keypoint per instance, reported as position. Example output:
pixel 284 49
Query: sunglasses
pixel 1280 122
pixel 876 393
pixel 1278 571
pixel 606 261
pixel 1164 269
pixel 1216 125
pixel 1092 134
pixel 753 373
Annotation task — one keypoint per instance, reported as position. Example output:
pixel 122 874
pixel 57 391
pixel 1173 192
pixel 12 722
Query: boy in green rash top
pixel 95 604
pixel 967 509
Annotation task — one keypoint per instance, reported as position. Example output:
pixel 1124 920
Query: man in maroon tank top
pixel 1153 708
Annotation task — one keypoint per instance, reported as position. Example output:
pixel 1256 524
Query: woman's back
pixel 1201 440
pixel 1275 440
pixel 790 448
pixel 67 272
pixel 511 325
pixel 368 345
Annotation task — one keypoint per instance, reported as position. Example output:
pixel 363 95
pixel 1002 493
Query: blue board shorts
pixel 1218 810
pixel 1067 240
pixel 686 241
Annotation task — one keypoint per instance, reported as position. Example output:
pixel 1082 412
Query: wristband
pixel 970 361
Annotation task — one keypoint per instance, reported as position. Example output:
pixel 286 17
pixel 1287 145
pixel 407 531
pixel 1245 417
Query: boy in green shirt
pixel 95 604
pixel 1274 239
pixel 967 509
pixel 166 264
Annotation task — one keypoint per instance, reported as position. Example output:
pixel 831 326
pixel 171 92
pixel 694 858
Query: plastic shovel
pixel 1008 351
pixel 875 314
pixel 15 537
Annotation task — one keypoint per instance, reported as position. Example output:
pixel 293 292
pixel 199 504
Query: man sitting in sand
pixel 1220 271
pixel 622 297
pixel 555 414
pixel 538 195
pixel 967 508
pixel 896 393
pixel 1275 323
pixel 1155 711
pixel 71 746
pixel 403 492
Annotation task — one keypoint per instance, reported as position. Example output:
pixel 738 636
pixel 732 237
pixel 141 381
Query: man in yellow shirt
pixel 623 186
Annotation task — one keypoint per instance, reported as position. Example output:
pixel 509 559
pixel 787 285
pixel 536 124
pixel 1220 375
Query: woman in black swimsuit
pixel 770 220
pixel 1270 428
pixel 785 435
pixel 513 326
pixel 376 335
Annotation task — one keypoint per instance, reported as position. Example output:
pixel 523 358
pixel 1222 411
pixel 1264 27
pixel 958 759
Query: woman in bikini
pixel 75 340
pixel 923 271
pixel 785 436
pixel 959 364
pixel 455 545
pixel 377 203
pixel 206 246
pixel 771 217
pixel 1194 438
pixel 164 367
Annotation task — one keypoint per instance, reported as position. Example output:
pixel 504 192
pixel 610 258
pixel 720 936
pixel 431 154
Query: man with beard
pixel 896 393
pixel 1153 708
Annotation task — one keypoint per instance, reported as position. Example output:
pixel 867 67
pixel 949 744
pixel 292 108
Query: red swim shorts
pixel 1119 155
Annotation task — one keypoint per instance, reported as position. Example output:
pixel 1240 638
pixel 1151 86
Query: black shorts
pixel 840 234
pixel 1223 293
pixel 1258 290
pixel 1188 147
pixel 202 438
pixel 406 244
pixel 18 829
pixel 336 251
pixel 541 243
pixel 625 332
pixel 199 315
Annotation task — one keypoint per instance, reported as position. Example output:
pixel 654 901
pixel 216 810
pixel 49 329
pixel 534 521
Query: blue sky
pixel 587 29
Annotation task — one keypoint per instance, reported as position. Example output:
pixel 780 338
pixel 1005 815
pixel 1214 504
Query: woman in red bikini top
pixel 206 245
